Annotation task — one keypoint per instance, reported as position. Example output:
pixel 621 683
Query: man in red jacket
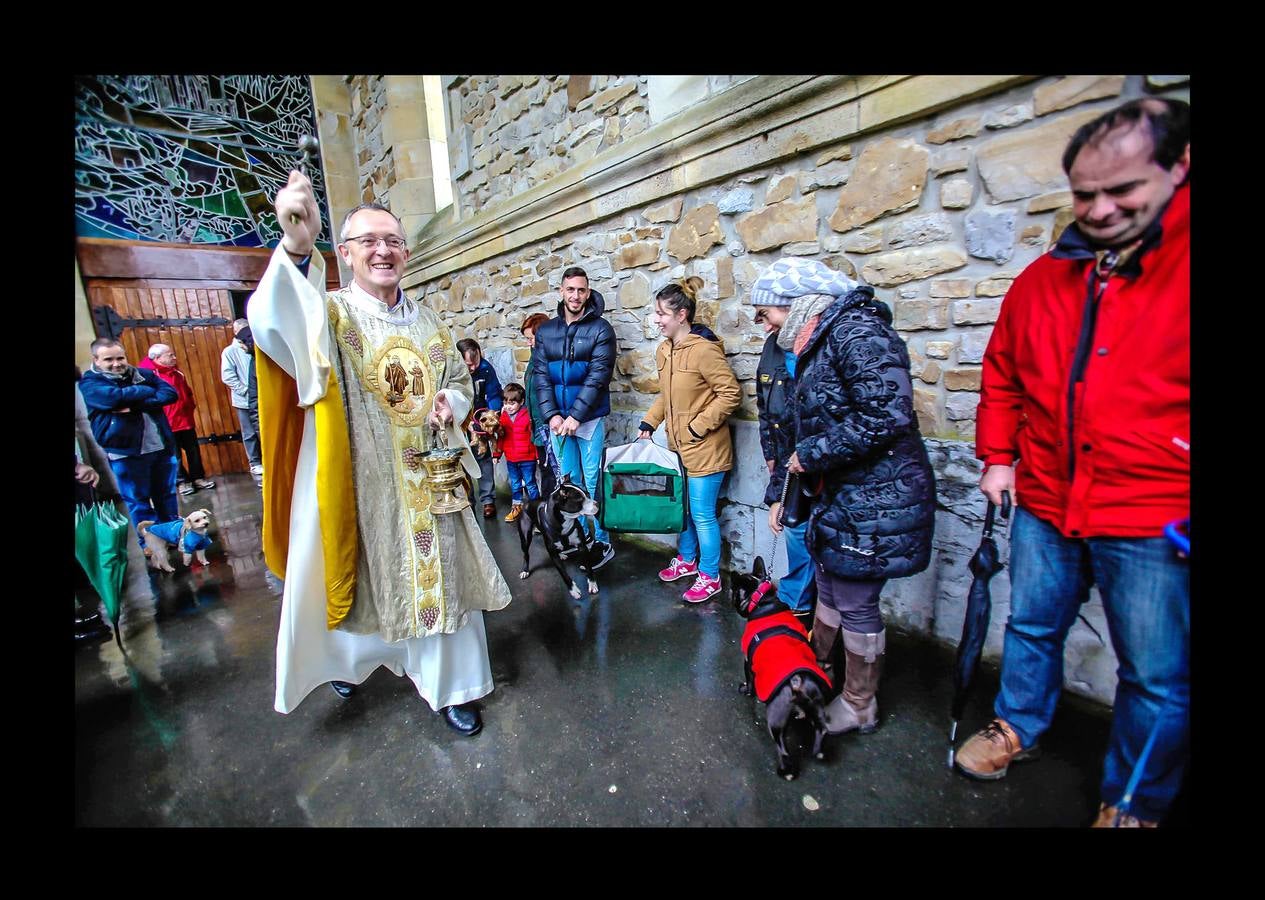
pixel 1084 417
pixel 162 360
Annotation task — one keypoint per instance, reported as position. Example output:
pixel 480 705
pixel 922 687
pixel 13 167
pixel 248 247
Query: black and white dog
pixel 778 663
pixel 558 519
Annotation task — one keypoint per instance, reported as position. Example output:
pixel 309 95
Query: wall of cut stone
pixel 509 133
pixel 375 161
pixel 938 214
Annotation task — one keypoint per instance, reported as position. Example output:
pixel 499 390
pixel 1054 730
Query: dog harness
pixel 784 651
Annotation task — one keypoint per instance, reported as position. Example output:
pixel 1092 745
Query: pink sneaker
pixel 704 587
pixel 678 568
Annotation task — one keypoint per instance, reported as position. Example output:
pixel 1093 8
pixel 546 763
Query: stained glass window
pixel 190 159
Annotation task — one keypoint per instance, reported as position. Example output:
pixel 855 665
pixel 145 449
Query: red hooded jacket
pixel 1105 454
pixel 517 445
pixel 180 413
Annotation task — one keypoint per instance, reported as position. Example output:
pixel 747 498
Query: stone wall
pixel 938 212
pixel 512 132
pixel 375 160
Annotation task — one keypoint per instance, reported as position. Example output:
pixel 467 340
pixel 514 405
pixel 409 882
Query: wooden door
pixel 181 295
pixel 154 316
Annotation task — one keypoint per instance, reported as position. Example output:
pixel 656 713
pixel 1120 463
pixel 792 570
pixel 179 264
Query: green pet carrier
pixel 643 489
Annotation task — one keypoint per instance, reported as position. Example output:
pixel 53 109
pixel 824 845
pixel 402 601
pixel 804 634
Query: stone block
pixel 927 408
pixel 991 234
pixel 939 349
pixel 889 177
pixel 840 264
pixel 972 345
pixel 1073 90
pixel 1008 117
pixel 664 212
pixel 781 223
pixel 1032 235
pixel 930 372
pixel 780 189
pixel 830 175
pixel 917 314
pixel 842 151
pixel 736 201
pixel 1028 162
pixel 959 405
pixel 976 312
pixel 578 87
pixel 869 240
pixel 900 266
pixel 966 379
pixel 802 248
pixel 1047 202
pixel 1062 219
pixel 956 193
pixel 913 231
pixel 995 286
pixel 613 95
pixel 967 126
pixel 950 159
pixel 724 277
pixel 1161 82
pixel 951 287
pixel 697 232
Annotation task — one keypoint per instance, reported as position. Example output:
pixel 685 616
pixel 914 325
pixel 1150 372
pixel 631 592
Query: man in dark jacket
pixel 571 375
pixel 125 407
pixel 797 588
pixel 1086 385
pixel 487 395
pixel 856 437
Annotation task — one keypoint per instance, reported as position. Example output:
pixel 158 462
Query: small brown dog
pixel 189 534
pixel 487 432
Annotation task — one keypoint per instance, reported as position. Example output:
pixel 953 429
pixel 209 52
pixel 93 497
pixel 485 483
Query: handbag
pixel 797 503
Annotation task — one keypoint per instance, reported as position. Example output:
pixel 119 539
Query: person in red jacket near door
pixel 1084 417
pixel 162 361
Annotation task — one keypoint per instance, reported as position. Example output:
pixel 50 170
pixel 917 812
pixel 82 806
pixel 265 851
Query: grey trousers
pixel 487 482
pixel 249 420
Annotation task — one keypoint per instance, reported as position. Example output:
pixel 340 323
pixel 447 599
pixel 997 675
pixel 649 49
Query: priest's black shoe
pixel 465 719
pixel 343 689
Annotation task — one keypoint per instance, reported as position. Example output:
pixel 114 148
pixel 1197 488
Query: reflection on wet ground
pixel 615 709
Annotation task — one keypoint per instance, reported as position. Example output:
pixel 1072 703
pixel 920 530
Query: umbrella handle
pixel 991 511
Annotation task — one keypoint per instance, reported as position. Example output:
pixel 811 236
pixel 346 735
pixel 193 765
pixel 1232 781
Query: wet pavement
pixel 617 709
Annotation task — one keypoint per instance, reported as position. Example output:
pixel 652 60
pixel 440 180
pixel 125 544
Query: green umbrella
pixel 101 548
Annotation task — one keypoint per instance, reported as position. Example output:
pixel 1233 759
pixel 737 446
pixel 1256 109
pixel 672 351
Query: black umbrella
pixel 979 606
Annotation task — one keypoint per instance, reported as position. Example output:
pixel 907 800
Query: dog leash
pixel 778 534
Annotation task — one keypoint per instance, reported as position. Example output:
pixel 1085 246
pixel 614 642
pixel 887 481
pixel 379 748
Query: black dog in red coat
pixel 776 651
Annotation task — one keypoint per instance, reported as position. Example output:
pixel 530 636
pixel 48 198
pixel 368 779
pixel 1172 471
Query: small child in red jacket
pixel 520 452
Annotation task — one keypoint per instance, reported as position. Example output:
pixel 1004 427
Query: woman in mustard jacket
pixel 697 394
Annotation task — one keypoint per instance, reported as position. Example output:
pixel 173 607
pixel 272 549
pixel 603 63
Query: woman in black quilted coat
pixel 857 439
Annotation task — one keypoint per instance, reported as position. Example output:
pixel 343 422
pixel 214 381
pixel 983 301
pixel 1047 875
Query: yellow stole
pixel 280 435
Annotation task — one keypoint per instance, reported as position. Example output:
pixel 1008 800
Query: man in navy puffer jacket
pixel 571 375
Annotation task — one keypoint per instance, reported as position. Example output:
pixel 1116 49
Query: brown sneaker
pixel 515 511
pixel 489 510
pixel 990 751
pixel 1107 816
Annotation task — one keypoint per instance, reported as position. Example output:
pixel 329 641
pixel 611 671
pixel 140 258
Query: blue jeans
pixel 797 588
pixel 702 531
pixel 582 460
pixel 522 473
pixel 1145 590
pixel 148 486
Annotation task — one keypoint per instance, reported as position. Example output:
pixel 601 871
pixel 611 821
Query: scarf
pixel 803 309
